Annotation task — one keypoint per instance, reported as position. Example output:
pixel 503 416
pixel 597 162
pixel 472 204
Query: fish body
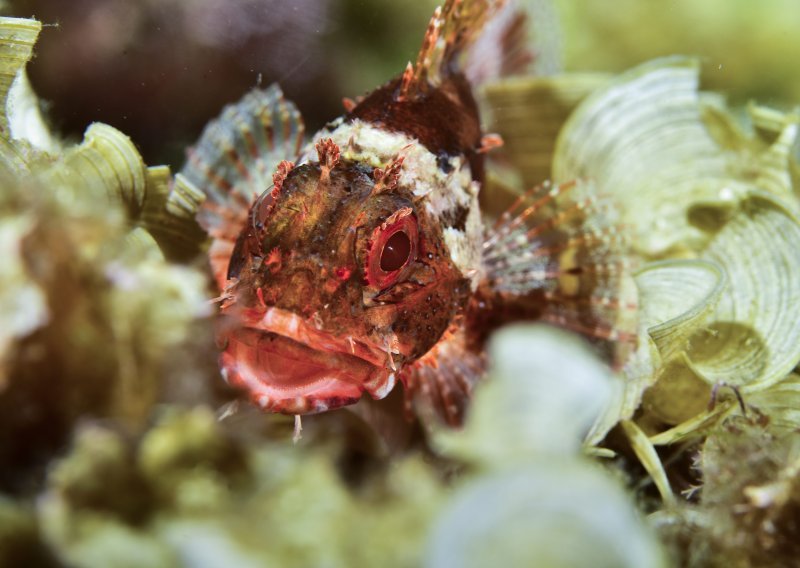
pixel 363 260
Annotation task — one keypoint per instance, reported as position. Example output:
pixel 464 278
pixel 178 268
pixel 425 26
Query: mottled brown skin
pixel 444 119
pixel 309 258
pixel 488 311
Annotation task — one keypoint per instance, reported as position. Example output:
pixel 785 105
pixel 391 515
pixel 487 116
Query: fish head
pixel 340 277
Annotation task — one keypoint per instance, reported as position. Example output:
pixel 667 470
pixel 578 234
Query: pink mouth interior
pixel 284 375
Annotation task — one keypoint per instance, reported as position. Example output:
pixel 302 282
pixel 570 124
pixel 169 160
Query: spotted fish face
pixel 343 275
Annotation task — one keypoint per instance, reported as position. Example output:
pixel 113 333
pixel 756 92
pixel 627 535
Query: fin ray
pixel 236 155
pixel 457 40
pixel 559 248
pixel 440 384
pixel 503 49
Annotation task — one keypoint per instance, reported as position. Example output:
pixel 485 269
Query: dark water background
pixel 160 69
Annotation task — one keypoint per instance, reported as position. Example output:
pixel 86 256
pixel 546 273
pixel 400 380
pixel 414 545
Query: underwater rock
pixel 188 493
pixel 21 543
pixel 82 332
pixel 748 505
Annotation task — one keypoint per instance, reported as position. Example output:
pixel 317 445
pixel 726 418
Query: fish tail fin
pixel 235 158
pixel 558 255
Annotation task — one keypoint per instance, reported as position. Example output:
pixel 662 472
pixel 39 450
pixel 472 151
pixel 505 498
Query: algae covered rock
pixel 21 543
pixel 90 308
pixel 189 493
pixel 747 508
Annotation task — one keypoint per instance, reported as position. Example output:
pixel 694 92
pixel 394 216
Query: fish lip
pixel 290 325
pixel 289 366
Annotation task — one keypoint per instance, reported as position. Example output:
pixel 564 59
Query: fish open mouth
pixel 287 365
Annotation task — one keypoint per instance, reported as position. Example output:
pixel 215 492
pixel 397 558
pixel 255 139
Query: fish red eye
pixel 395 252
pixel 392 247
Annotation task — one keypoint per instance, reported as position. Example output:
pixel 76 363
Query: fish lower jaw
pixel 282 375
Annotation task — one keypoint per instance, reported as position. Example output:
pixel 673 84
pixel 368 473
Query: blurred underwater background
pixel 130 64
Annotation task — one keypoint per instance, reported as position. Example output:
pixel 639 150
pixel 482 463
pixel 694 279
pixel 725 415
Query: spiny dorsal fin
pixel 503 48
pixel 236 156
pixel 454 27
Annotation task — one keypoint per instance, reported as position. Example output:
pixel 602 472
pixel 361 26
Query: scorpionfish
pixel 360 258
